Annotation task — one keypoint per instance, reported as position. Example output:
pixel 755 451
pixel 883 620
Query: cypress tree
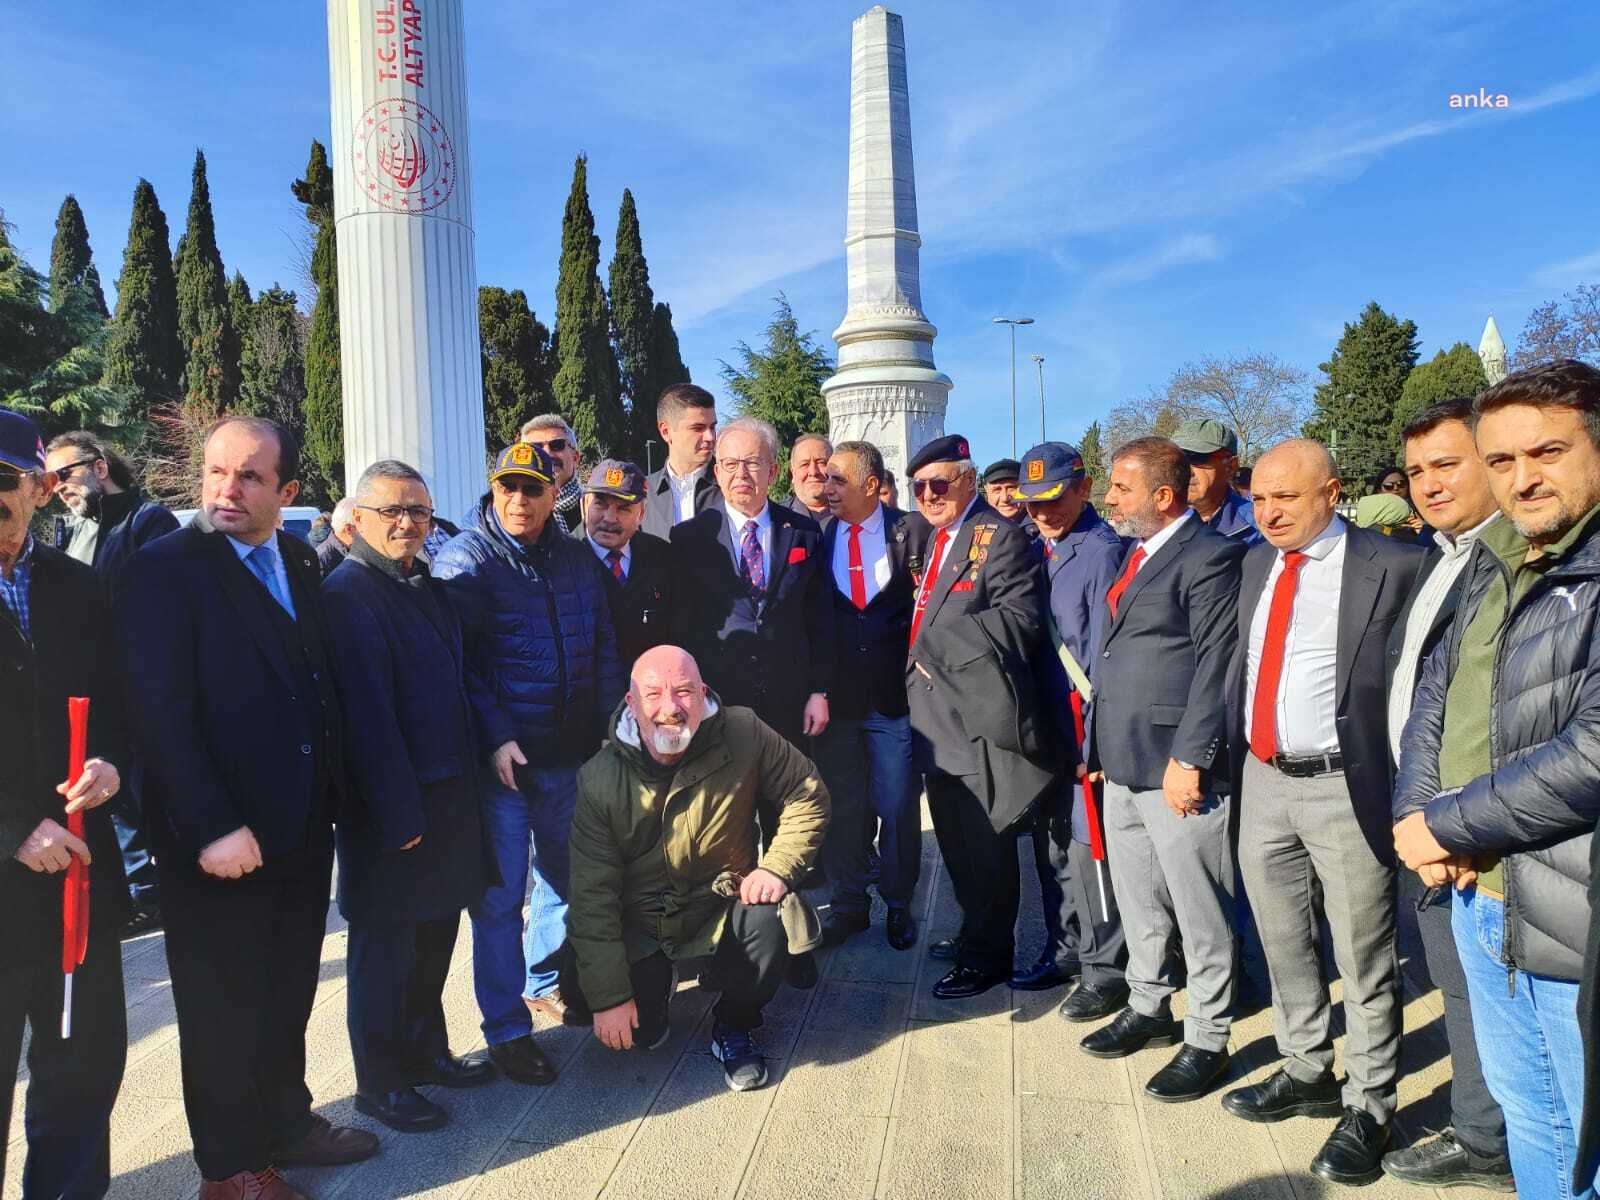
pixel 323 473
pixel 1093 461
pixel 142 355
pixel 586 386
pixel 274 378
pixel 666 369
pixel 71 260
pixel 632 314
pixel 240 304
pixel 1358 398
pixel 517 366
pixel 205 317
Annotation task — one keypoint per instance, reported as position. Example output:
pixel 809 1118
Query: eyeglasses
pixel 420 514
pixel 63 473
pixel 931 487
pixel 531 488
pixel 741 466
pixel 10 480
pixel 553 446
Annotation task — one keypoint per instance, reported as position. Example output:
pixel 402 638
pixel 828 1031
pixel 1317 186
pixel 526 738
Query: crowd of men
pixel 661 713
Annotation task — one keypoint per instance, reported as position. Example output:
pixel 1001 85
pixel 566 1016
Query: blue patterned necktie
pixel 263 564
pixel 751 564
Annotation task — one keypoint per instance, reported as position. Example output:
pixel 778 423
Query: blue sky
pixel 1150 182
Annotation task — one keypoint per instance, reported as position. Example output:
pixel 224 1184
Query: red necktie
pixel 1123 580
pixel 614 559
pixel 858 575
pixel 927 582
pixel 1264 709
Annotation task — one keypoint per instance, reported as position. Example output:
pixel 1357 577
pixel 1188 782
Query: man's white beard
pixel 672 739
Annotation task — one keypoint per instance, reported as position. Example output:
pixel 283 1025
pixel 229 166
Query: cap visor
pixel 1049 493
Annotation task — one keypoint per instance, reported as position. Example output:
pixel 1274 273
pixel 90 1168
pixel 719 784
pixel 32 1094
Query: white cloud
pixel 1183 250
pixel 1573 271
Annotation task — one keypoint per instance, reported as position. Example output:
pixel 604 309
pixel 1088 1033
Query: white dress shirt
pixel 763 519
pixel 244 550
pixel 876 567
pixel 601 552
pixel 1423 611
pixel 683 490
pixel 1308 684
pixel 1155 541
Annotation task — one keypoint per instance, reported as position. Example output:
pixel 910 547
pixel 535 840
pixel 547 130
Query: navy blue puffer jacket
pixel 542 666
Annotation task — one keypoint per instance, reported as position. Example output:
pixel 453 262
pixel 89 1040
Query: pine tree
pixel 71 260
pixel 323 472
pixel 274 377
pixel 666 369
pixel 27 335
pixel 1356 401
pixel 517 365
pixel 1457 371
pixel 142 354
pixel 205 317
pixel 782 384
pixel 586 387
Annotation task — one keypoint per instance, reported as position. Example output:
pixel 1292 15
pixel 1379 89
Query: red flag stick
pixel 75 898
pixel 1091 811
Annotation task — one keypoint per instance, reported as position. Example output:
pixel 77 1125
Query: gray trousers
pixel 1173 872
pixel 1295 834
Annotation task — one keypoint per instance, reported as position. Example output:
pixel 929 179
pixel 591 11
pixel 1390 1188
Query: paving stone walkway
pixel 878 1090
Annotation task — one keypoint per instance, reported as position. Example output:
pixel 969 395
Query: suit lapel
pixel 954 566
pixel 1253 577
pixel 1362 580
pixel 783 540
pixel 240 587
pixel 1152 568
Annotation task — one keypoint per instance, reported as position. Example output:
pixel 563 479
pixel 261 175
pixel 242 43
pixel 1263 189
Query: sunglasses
pixel 531 488
pixel 1397 485
pixel 554 445
pixel 10 480
pixel 64 473
pixel 931 487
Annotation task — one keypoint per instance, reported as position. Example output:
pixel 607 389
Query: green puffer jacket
pixel 647 846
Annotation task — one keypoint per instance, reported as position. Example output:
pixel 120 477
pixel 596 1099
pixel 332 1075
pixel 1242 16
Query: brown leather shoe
pixel 250 1185
pixel 329 1145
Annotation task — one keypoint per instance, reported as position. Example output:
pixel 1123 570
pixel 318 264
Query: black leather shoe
pixel 900 927
pixel 1442 1161
pixel 449 1071
pixel 1354 1150
pixel 1191 1074
pixel 404 1111
pixel 962 982
pixel 1282 1096
pixel 802 971
pixel 841 926
pixel 946 949
pixel 1129 1033
pixel 1091 1002
pixel 521 1061
pixel 1044 974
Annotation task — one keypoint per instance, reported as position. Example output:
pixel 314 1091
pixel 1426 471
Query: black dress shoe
pixel 1191 1074
pixel 1092 1002
pixel 841 926
pixel 1282 1096
pixel 1354 1150
pixel 1442 1161
pixel 521 1061
pixel 404 1111
pixel 802 971
pixel 1129 1033
pixel 962 982
pixel 900 927
pixel 946 949
pixel 449 1071
pixel 1045 974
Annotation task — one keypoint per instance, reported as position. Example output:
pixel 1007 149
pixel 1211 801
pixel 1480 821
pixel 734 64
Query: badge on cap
pixel 961 449
pixel 1035 470
pixel 614 477
pixel 522 454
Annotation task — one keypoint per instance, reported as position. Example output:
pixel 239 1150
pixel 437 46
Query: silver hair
pixel 813 437
pixel 386 468
pixel 547 421
pixel 755 425
pixel 343 514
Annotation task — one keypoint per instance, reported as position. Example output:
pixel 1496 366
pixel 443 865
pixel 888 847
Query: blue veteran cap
pixel 524 458
pixel 1047 469
pixel 613 477
pixel 20 444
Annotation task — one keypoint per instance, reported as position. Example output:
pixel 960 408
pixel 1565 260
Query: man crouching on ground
pixel 664 861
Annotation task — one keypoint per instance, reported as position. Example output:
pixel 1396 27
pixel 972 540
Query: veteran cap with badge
pixel 950 448
pixel 613 477
pixel 527 460
pixel 1046 471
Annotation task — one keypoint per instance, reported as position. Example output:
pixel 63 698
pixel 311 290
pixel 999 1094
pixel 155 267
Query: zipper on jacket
pixel 561 647
pixel 1508 953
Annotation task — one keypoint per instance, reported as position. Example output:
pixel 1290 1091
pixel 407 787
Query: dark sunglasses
pixel 1398 485
pixel 931 487
pixel 554 445
pixel 63 472
pixel 532 488
pixel 10 480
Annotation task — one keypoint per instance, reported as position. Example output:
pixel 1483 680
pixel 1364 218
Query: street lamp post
pixel 1013 322
pixel 1038 361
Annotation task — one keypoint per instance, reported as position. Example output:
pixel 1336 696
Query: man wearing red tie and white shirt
pixel 1316 604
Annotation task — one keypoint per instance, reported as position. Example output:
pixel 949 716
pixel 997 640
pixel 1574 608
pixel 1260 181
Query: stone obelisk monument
pixel 1492 353
pixel 887 390
pixel 408 281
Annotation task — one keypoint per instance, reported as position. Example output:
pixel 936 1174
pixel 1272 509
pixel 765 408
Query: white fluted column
pixel 408 280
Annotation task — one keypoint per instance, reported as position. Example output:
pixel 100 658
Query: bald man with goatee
pixel 1317 600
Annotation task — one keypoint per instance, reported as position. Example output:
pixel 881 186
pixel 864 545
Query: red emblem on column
pixel 404 157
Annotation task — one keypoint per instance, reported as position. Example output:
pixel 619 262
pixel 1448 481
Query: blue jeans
pixel 1532 1055
pixel 528 830
pixel 866 764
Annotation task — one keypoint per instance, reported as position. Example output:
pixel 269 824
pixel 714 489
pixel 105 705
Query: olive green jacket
pixel 646 847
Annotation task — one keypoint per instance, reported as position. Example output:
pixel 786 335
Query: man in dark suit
pixel 224 650
pixel 1159 733
pixel 55 642
pixel 1451 487
pixel 865 753
pixel 1316 603
pixel 637 565
pixel 977 720
pixel 686 417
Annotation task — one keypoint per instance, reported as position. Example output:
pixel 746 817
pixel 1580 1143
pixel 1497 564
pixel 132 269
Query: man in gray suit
pixel 1158 731
pixel 1316 604
pixel 686 417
